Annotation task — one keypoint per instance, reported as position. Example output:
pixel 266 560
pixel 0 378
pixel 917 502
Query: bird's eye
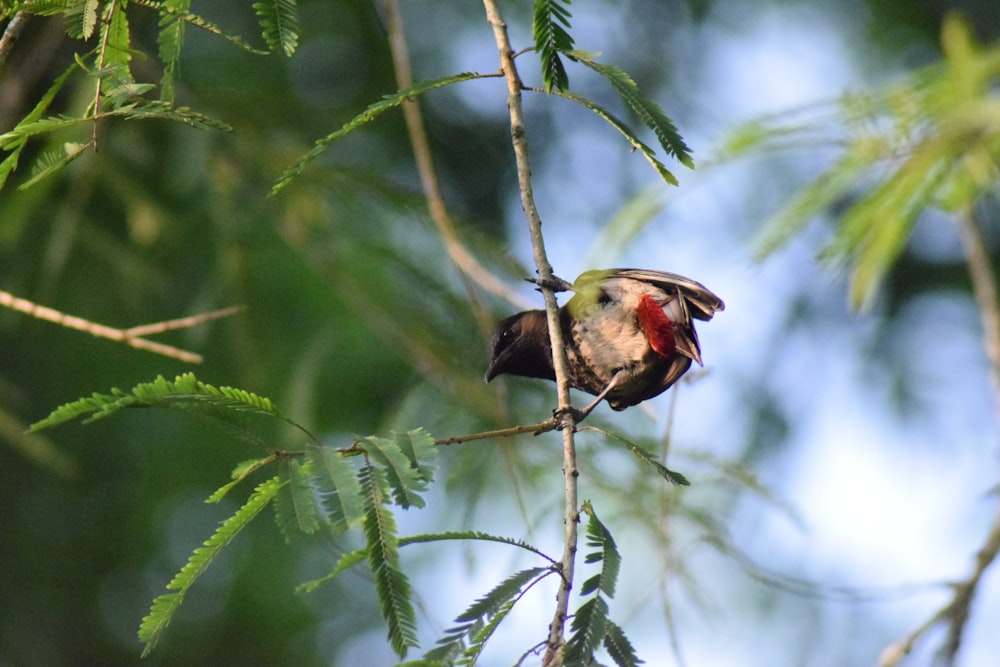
pixel 506 334
pixel 603 298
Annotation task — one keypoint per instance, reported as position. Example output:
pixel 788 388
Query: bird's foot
pixel 569 416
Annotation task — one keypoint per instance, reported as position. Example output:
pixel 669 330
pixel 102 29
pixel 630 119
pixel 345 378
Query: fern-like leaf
pixel 186 392
pixel 589 628
pixel 646 457
pixel 599 538
pixel 619 647
pixel 627 132
pixel 168 9
pixel 116 41
pixel 371 113
pixel 345 562
pixel 88 18
pixel 338 486
pixel 506 590
pixel 242 470
pixel 476 621
pixel 294 506
pixel 477 642
pixel 166 605
pixel 649 111
pixel 473 535
pixel 391 584
pixel 419 448
pixel 404 479
pixel 550 20
pixel 51 162
pixel 279 20
pixel 169 41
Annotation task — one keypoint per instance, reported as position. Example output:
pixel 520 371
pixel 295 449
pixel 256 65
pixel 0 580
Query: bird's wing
pixel 702 302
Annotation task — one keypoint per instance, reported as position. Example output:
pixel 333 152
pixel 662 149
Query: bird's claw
pixel 568 415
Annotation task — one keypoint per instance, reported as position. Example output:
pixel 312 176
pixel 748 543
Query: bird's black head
pixel 520 346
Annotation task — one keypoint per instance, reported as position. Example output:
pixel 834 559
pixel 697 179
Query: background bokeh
pixel 844 466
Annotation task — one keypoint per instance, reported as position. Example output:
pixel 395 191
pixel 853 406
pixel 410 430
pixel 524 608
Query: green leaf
pixel 472 535
pixel 481 618
pixel 646 457
pixel 371 113
pixel 89 18
pixel 240 473
pixel 599 537
pixel 169 41
pixel 295 506
pixel 619 647
pixel 650 112
pixel 51 162
pixel 186 392
pixel 166 605
pixel 279 20
pixel 345 562
pixel 506 590
pixel 116 43
pixel 589 628
pixel 338 486
pixel 391 584
pixel 626 131
pixel 418 446
pixel 477 642
pixel 404 479
pixel 550 20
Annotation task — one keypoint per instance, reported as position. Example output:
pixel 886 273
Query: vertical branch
pixel 571 517
pixel 469 267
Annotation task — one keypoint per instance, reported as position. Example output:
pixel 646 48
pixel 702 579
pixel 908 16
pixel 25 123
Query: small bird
pixel 629 335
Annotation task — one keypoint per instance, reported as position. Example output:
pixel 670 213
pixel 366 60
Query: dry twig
pixel 132 336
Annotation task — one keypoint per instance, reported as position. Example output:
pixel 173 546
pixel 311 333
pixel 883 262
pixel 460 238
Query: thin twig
pixel 468 265
pixel 571 517
pixel 956 612
pixel 131 337
pixel 550 424
pixel 11 33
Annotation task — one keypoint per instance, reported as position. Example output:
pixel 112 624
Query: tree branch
pixel 956 612
pixel 11 33
pixel 132 336
pixel 571 517
pixel 468 266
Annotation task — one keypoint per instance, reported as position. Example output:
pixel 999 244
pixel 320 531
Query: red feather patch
pixel 657 326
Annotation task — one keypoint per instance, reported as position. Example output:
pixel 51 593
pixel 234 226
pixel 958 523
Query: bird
pixel 629 335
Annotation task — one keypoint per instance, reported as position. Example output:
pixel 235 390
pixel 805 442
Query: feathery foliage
pixel 108 67
pixel 648 111
pixel 407 474
pixel 169 42
pixel 166 605
pixel 391 584
pixel 477 623
pixel 549 28
pixel 931 140
pixel 371 113
pixel 338 487
pixel 646 457
pixel 591 627
pixel 295 508
pixel 279 20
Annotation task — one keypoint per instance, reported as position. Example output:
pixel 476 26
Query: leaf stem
pixel 519 139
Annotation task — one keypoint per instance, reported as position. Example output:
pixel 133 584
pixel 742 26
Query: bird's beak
pixel 497 365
